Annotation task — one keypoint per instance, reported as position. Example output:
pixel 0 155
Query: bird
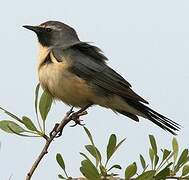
pixel 76 72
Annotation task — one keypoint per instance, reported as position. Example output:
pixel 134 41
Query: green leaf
pixel 103 170
pixel 60 161
pixel 11 115
pixel 97 153
pixel 23 135
pixel 61 177
pixel 156 161
pixel 166 153
pixel 45 104
pixel 94 152
pixel 185 170
pixel 153 143
pixel 111 146
pixel 148 175
pixel 85 156
pixel 89 170
pixel 142 161
pixel 185 178
pixel 119 144
pixel 152 155
pixel 29 124
pixel 170 156
pixel 36 98
pixel 163 173
pixel 89 135
pixel 130 171
pixel 115 166
pixel 8 126
pixel 175 148
pixel 182 160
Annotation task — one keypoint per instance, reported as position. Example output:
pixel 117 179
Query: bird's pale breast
pixel 64 85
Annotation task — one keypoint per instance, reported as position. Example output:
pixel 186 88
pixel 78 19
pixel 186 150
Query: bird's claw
pixel 70 111
pixel 57 124
pixel 77 122
pixel 75 117
pixel 59 134
pixel 54 129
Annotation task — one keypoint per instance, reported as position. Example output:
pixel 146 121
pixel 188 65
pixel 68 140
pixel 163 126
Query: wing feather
pixel 88 62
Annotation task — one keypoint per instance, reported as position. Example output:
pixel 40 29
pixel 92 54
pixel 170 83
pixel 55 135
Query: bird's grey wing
pixel 86 65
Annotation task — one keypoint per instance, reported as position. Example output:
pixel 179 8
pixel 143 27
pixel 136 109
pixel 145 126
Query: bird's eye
pixel 48 29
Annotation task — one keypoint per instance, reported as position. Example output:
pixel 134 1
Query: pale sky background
pixel 146 41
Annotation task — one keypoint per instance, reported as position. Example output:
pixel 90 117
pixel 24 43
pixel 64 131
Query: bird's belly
pixel 64 85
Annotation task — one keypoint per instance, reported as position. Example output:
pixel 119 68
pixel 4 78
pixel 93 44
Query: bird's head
pixel 54 34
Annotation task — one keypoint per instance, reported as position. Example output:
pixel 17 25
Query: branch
pixel 68 117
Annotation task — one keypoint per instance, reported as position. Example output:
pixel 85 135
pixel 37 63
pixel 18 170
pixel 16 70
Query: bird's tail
pixel 158 119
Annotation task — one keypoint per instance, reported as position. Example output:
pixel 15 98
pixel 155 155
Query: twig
pixel 44 151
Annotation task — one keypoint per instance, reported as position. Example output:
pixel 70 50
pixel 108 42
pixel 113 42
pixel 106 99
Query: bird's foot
pixel 57 124
pixel 54 130
pixel 76 118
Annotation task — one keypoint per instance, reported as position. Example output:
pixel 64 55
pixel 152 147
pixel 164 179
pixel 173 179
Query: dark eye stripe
pixel 48 29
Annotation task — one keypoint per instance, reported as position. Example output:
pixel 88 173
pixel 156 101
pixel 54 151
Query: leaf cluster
pixel 163 163
pixel 24 126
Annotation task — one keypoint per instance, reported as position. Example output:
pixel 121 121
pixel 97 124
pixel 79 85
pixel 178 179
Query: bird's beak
pixel 36 29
